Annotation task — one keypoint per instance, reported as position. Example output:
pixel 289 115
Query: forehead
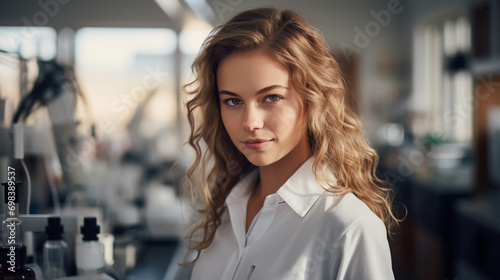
pixel 250 71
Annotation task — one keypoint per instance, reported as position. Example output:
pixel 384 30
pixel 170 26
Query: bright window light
pixel 126 71
pixel 119 47
pixel 190 41
pixel 29 41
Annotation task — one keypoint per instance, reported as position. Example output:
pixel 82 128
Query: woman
pixel 283 179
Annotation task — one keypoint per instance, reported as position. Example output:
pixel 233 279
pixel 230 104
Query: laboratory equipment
pixel 90 252
pixel 54 250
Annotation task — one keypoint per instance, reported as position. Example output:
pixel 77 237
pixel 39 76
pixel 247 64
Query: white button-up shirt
pixel 301 232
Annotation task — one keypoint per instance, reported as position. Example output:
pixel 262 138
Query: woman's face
pixel 261 110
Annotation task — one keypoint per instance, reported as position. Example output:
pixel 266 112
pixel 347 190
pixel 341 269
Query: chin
pixel 259 164
pixel 261 159
pixel 258 160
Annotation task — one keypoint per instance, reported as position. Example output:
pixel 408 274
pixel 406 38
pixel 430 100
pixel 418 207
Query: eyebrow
pixel 264 90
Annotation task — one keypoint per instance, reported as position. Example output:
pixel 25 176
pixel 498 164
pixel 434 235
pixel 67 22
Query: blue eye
pixel 273 98
pixel 234 101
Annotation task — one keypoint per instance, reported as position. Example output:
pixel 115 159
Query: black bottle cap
pixel 13 188
pixel 54 229
pixel 90 229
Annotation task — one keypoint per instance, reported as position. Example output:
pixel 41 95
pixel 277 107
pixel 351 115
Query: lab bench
pixel 158 260
pixel 136 257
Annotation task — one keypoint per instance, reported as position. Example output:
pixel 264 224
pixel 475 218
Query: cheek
pixel 223 117
pixel 301 115
pixel 228 120
pixel 289 118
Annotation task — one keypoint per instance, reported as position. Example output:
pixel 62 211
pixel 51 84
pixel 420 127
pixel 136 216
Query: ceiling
pixel 335 18
pixel 83 13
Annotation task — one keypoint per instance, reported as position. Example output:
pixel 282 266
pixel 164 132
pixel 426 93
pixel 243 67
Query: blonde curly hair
pixel 335 133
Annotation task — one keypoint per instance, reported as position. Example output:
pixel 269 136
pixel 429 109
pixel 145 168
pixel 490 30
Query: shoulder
pixel 347 214
pixel 360 238
pixel 352 235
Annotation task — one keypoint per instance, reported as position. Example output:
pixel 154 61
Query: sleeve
pixel 363 252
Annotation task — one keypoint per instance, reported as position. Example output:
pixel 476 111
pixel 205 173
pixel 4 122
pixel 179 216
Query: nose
pixel 252 119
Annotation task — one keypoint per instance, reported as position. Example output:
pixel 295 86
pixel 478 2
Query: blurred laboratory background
pixel 91 107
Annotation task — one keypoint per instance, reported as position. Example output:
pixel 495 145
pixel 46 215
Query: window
pixel 29 41
pixel 442 96
pixel 122 69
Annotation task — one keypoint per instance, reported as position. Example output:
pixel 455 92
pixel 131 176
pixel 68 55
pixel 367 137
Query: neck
pixel 273 176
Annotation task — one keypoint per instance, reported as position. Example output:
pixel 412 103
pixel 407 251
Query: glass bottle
pixel 54 250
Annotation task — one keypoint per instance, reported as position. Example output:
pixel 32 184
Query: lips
pixel 256 143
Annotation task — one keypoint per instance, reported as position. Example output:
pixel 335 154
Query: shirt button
pixel 271 200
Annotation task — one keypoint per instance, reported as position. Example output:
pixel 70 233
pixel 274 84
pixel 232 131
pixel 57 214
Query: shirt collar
pixel 300 191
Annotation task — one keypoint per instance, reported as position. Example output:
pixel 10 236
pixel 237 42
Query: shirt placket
pixel 237 214
pixel 260 225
